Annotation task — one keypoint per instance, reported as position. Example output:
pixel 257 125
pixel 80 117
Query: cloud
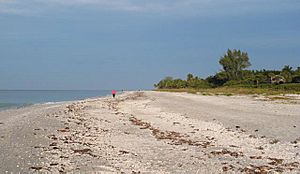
pixel 17 7
pixel 185 7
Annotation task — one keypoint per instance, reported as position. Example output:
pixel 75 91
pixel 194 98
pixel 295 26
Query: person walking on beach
pixel 113 92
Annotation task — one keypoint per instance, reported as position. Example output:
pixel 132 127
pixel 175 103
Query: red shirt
pixel 113 92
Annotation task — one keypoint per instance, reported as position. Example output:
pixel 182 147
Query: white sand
pixel 153 132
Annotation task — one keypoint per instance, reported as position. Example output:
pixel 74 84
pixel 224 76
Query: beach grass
pixel 231 90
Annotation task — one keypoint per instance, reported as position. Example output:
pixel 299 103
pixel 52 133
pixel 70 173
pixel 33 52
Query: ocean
pixel 21 98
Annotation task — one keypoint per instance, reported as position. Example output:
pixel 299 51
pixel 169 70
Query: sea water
pixel 21 98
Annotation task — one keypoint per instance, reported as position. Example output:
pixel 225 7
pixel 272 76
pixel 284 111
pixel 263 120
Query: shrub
pixel 296 79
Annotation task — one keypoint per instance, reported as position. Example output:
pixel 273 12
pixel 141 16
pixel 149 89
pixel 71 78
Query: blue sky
pixel 132 44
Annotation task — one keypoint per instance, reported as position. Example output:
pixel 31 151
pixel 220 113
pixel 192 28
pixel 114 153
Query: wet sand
pixel 153 132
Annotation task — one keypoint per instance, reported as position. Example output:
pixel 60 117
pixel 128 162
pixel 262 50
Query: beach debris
pixel 255 157
pixel 38 147
pixel 82 151
pixel 274 141
pixel 237 127
pixel 227 152
pixel 66 129
pixel 175 122
pixel 179 165
pixel 166 135
pixel 260 148
pixel 1 123
pixel 242 130
pixel 53 144
pixel 36 167
pixel 138 122
pixel 278 166
pixel 107 121
pixel 118 113
pixel 85 143
pixel 210 138
pixel 264 169
pixel 227 168
pixel 275 161
pixel 123 152
pixel 234 146
pixel 62 171
pixel 296 141
pixel 175 137
pixel 53 164
pixel 52 136
pixel 71 108
pixel 227 129
pixel 292 164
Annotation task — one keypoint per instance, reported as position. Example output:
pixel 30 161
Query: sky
pixel 132 44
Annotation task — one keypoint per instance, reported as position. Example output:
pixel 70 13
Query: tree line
pixel 234 73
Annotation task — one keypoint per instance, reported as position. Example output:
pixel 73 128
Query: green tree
pixel 218 79
pixel 233 63
pixel 287 68
pixel 165 83
pixel 189 77
pixel 296 77
pixel 260 79
pixel 287 73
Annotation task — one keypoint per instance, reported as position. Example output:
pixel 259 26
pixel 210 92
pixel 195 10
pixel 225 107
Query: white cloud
pixel 187 7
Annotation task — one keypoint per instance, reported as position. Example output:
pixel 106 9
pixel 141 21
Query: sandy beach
pixel 153 132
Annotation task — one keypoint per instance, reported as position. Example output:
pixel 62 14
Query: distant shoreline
pixel 14 99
